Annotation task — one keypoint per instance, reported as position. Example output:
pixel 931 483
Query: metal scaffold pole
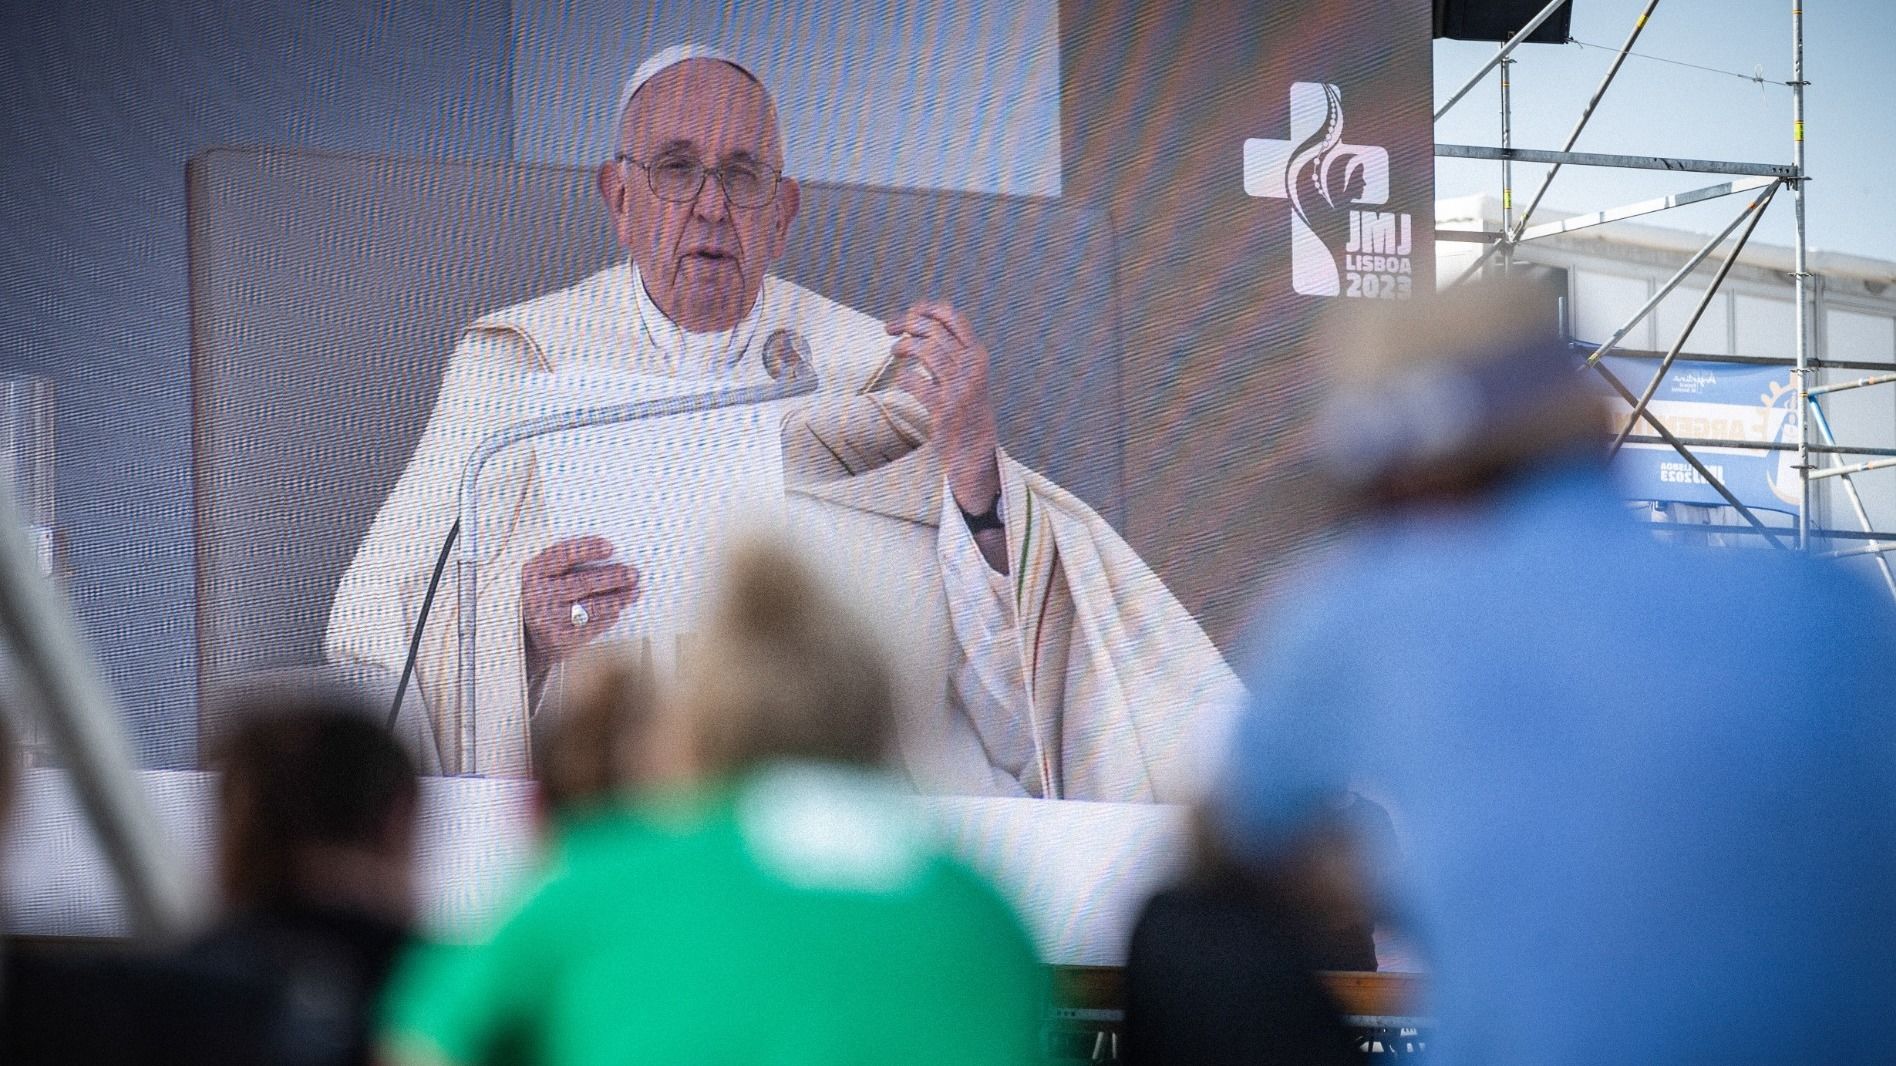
pixel 1803 370
pixel 1507 167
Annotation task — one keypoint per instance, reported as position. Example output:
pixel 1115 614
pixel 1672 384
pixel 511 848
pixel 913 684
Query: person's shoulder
pixel 960 914
pixel 960 891
pixel 856 837
pixel 537 333
pixel 1307 606
pixel 654 849
pixel 594 291
pixel 854 831
pixel 589 850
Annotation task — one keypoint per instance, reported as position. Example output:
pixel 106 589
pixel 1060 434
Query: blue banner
pixel 1718 401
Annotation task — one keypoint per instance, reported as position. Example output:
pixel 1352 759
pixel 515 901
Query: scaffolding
pixel 1816 460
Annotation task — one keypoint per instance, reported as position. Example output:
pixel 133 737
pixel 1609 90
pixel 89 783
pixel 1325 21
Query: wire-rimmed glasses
pixel 678 179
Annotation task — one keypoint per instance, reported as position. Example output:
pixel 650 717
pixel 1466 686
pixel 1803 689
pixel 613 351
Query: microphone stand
pixel 467 561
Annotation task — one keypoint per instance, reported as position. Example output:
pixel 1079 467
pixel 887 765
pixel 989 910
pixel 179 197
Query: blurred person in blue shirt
pixel 1647 793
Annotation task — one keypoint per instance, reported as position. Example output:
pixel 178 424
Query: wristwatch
pixel 992 518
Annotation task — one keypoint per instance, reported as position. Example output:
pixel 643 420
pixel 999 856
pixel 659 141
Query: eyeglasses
pixel 678 179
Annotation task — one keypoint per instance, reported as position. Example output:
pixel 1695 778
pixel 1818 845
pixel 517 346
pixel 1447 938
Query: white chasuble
pixel 1076 676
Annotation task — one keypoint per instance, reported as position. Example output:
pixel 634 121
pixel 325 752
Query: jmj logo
pixel 1325 179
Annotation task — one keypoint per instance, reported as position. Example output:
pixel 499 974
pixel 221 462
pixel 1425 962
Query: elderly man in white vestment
pixel 1039 655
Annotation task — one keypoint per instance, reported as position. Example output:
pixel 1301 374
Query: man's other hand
pixel 945 366
pixel 571 572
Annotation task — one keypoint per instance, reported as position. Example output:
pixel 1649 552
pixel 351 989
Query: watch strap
pixel 986 520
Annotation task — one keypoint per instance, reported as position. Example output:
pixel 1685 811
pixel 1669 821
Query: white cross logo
pixel 1271 168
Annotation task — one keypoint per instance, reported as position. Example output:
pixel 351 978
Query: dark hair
pixel 316 769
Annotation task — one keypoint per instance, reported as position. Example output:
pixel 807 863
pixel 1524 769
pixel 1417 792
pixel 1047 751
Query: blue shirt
pixel 1645 793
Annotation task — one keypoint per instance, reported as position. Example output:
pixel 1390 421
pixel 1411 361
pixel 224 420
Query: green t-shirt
pixel 802 917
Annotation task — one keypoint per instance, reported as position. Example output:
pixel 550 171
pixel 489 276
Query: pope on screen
pixel 1039 655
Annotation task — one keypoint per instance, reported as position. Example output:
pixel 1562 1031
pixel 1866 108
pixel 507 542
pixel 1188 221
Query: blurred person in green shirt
pixel 792 908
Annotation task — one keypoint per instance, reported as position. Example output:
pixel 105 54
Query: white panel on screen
pixel 1603 302
pixel 938 95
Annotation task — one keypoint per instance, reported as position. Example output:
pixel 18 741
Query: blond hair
pixel 595 743
pixel 785 670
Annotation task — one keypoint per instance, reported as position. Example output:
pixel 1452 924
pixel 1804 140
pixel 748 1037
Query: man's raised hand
pixel 945 366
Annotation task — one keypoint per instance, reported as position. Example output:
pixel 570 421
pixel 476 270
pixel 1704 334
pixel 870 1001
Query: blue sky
pixel 1662 109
